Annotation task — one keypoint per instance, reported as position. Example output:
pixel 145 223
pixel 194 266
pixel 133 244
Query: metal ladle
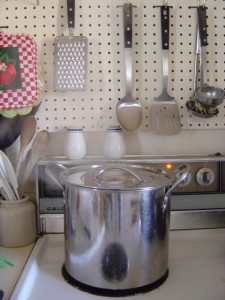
pixel 128 110
pixel 207 95
pixel 193 105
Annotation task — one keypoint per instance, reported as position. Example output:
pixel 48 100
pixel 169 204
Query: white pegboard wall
pixel 101 22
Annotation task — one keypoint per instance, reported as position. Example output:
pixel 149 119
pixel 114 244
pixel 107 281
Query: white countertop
pixel 10 274
pixel 196 270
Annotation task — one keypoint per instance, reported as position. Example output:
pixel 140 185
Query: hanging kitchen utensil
pixel 193 105
pixel 165 116
pixel 70 57
pixel 207 95
pixel 18 71
pixel 128 110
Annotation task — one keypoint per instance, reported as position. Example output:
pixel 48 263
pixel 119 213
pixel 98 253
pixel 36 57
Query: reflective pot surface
pixel 116 238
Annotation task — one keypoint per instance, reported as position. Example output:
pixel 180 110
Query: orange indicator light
pixel 169 166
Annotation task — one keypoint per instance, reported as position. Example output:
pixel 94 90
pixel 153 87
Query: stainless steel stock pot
pixel 116 225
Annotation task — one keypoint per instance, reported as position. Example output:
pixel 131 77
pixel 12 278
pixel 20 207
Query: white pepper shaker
pixel 114 144
pixel 75 146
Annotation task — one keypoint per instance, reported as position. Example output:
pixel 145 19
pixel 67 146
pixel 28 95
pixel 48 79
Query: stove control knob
pixel 205 176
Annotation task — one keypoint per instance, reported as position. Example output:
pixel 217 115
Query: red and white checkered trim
pixel 26 96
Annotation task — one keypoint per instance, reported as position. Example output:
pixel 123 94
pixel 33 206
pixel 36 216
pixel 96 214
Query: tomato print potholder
pixel 18 71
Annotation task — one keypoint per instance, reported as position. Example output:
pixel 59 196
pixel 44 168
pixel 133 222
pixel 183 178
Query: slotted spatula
pixel 165 116
pixel 70 57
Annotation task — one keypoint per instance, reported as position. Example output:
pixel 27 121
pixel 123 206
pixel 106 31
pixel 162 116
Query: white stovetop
pixel 196 266
pixel 10 274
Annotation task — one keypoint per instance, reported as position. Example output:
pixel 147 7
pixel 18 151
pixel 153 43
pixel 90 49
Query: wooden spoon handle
pixel 38 149
pixel 27 132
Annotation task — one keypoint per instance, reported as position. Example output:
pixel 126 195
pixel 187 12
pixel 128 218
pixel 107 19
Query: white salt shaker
pixel 75 146
pixel 114 144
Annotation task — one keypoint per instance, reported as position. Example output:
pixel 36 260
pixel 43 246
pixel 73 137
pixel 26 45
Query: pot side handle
pixel 53 170
pixel 181 173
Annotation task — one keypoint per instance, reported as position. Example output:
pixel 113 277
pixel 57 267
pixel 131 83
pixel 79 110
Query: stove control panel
pixel 204 177
pixel 203 188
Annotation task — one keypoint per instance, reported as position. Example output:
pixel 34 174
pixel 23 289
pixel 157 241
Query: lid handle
pixel 105 175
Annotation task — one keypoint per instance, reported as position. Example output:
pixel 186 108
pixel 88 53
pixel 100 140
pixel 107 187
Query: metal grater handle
pixel 71 15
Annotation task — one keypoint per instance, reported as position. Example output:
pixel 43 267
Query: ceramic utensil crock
pixel 17 223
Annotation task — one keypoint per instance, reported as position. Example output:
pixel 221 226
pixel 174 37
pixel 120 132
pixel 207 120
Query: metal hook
pixel 166 3
pixel 34 2
pixel 127 2
pixel 203 4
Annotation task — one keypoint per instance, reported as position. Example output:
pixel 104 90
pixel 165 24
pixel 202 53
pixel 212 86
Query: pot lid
pixel 112 176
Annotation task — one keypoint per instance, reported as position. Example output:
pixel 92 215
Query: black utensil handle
pixel 127 24
pixel 165 25
pixel 202 25
pixel 71 13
